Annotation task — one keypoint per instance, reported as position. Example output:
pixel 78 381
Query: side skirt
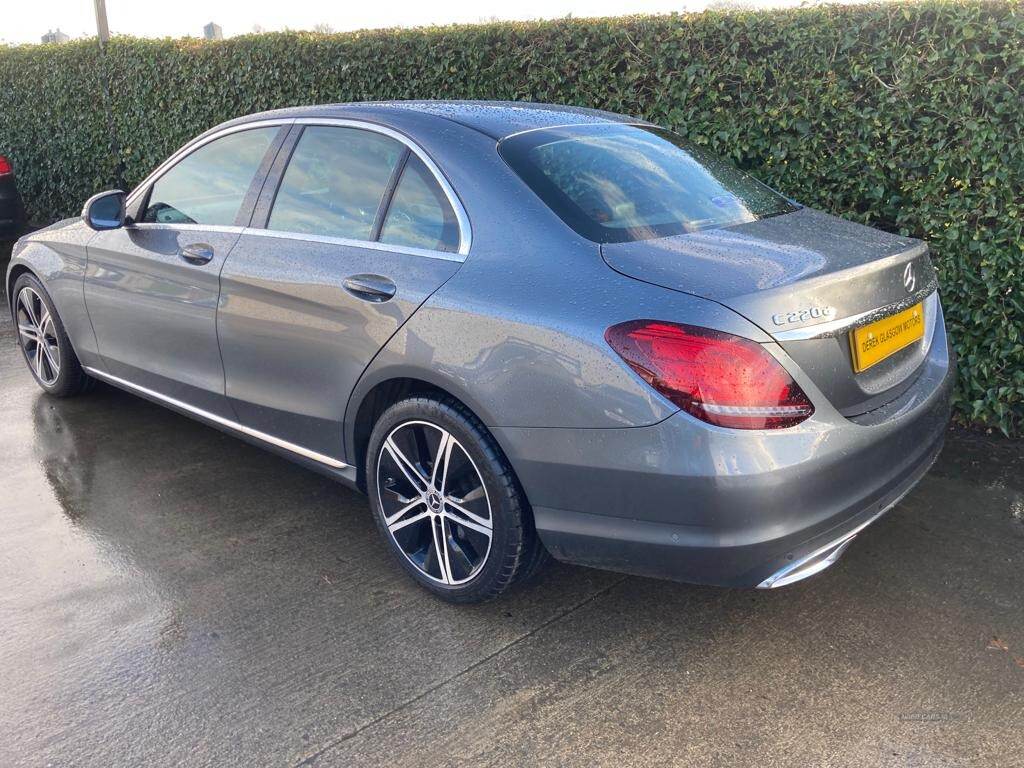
pixel 318 462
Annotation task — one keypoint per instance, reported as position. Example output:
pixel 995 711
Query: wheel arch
pixel 373 397
pixel 58 259
pixel 16 271
pixel 22 266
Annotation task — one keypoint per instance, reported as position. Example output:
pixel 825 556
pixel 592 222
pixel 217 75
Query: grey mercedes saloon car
pixel 521 329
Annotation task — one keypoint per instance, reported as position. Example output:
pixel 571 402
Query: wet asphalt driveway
pixel 170 595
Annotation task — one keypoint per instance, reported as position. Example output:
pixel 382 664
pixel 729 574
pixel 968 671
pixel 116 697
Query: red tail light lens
pixel 719 378
pixel 5 166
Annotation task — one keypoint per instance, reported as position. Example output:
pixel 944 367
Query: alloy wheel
pixel 434 502
pixel 38 336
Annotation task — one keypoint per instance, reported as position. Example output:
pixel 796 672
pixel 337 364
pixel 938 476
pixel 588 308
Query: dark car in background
pixel 12 211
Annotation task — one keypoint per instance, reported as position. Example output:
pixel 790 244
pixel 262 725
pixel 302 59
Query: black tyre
pixel 447 502
pixel 44 342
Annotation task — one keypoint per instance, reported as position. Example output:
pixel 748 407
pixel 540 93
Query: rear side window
pixel 616 183
pixel 335 182
pixel 209 185
pixel 419 215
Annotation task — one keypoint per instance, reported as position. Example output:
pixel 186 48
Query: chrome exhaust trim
pixel 818 560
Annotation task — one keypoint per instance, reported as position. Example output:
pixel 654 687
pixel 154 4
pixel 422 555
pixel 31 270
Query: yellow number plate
pixel 873 343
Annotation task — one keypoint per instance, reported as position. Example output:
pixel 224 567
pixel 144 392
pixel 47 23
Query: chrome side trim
pixel 370 244
pixel 220 420
pixel 839 326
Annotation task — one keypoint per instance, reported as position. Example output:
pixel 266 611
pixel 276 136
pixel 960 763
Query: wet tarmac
pixel 170 595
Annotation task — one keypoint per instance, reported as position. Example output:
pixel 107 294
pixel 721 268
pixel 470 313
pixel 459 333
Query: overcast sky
pixel 25 21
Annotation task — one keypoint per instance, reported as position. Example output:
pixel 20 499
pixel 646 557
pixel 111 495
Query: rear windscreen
pixel 615 183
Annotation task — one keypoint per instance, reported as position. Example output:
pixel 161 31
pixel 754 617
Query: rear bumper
pixel 694 503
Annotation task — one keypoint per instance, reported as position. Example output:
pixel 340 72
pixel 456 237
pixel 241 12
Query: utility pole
pixel 102 28
pixel 103 33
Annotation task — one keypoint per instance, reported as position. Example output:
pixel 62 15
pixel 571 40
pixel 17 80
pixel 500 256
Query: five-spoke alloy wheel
pixel 434 502
pixel 43 340
pixel 447 501
pixel 38 335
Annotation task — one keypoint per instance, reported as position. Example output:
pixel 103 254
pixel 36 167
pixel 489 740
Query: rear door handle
pixel 373 288
pixel 197 253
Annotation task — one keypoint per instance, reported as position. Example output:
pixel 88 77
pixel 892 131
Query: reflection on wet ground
pixel 171 595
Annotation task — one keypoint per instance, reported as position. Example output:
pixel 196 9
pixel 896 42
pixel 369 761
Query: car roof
pixel 497 119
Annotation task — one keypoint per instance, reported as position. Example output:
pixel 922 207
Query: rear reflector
pixel 5 166
pixel 719 378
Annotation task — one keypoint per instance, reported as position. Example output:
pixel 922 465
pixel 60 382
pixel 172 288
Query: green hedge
pixel 906 117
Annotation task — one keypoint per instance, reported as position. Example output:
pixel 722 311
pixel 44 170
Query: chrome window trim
pixel 220 420
pixel 195 144
pixel 465 229
pixel 370 244
pixel 843 325
pixel 226 228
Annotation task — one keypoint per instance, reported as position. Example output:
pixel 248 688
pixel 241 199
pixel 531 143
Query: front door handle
pixel 373 288
pixel 197 253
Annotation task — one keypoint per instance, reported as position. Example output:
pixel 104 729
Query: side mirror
pixel 105 210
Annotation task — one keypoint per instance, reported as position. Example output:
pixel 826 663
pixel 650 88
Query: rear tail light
pixel 5 166
pixel 719 378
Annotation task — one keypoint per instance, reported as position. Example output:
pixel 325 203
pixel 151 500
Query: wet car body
pixel 267 344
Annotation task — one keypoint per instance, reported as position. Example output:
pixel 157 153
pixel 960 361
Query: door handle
pixel 197 253
pixel 373 288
